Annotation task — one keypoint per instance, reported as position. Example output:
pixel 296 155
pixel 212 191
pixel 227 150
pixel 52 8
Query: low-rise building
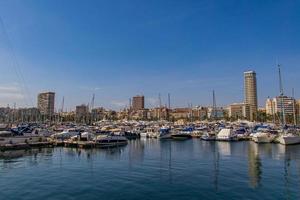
pixel 199 113
pixel 218 112
pixel 181 113
pixel 97 114
pixel 139 114
pixel 160 113
pixel 239 111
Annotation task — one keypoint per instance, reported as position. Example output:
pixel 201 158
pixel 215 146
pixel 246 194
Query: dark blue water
pixel 152 169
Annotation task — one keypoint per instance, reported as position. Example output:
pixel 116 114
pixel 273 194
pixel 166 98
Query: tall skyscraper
pixel 138 103
pixel 46 102
pixel 250 89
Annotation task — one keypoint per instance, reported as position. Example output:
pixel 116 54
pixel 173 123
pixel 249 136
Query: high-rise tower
pixel 250 89
pixel 138 103
pixel 46 102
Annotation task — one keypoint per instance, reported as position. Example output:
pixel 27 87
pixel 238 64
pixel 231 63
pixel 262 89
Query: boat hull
pixel 226 139
pixel 288 140
pixel 208 138
pixel 164 137
pixel 143 135
pixel 110 145
pixel 262 139
pixel 181 137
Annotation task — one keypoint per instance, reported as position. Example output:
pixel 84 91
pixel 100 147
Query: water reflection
pixel 254 165
pixel 136 151
pixel 290 157
pixel 166 160
pixel 9 155
pixel 287 175
pixel 16 158
pixel 216 159
pixel 224 148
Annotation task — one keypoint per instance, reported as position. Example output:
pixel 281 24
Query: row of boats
pixel 118 134
pixel 28 134
pixel 260 135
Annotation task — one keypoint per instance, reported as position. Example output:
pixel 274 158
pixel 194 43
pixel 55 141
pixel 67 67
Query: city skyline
pixel 146 48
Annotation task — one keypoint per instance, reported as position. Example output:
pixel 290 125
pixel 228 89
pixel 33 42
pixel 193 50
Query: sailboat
pixel 286 137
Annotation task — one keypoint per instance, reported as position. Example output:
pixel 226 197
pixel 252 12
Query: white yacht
pixel 263 137
pixel 7 137
pixel 68 133
pixel 226 134
pixel 289 139
pixel 143 134
pixel 150 133
pixel 85 136
pixel 208 136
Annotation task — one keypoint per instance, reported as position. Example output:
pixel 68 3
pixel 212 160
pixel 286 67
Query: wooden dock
pixel 7 147
pixel 55 143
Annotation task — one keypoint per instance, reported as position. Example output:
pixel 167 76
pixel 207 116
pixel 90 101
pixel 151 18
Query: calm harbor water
pixel 153 169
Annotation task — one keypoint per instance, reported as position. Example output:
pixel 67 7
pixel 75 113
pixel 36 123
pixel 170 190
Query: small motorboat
pixel 208 136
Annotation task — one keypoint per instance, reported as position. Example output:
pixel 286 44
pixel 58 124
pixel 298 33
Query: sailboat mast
pixel 294 109
pixel 214 106
pixel 281 98
pixel 169 101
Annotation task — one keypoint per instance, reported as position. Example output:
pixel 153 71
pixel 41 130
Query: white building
pixel 275 105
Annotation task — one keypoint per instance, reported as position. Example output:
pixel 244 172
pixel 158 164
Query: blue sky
pixel 120 48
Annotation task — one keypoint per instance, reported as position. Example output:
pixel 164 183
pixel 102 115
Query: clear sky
pixel 120 48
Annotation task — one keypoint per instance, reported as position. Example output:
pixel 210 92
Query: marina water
pixel 153 169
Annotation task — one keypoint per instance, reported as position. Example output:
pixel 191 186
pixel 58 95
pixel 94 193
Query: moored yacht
pixel 226 134
pixel 68 133
pixel 149 132
pixel 8 137
pixel 111 141
pixel 263 137
pixel 183 134
pixel 289 139
pixel 165 133
pixel 208 136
